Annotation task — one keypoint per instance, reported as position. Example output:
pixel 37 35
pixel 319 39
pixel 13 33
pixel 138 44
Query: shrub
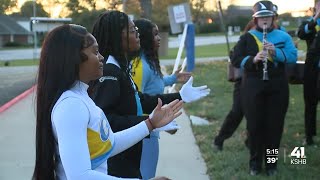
pixel 13 44
pixel 208 28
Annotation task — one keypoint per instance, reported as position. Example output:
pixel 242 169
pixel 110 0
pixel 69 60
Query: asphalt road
pixel 15 80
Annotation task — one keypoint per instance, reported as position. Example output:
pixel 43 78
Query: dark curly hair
pixel 145 28
pixel 108 32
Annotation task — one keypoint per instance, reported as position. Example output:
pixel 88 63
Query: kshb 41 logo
pixel 298 156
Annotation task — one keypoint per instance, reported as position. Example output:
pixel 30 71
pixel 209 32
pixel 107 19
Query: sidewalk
pixel 17 140
pixel 180 158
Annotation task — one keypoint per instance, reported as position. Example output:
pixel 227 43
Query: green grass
pixel 25 62
pixel 232 162
pixel 203 34
pixel 216 50
pixel 213 34
pixel 213 50
pixel 17 47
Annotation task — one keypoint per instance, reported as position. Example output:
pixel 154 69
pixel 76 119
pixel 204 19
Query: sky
pixel 283 5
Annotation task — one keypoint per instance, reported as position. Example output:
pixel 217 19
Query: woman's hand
pixel 182 77
pixel 271 48
pixel 162 115
pixel 259 57
pixel 189 93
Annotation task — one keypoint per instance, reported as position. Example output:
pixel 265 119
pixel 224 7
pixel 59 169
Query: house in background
pixel 46 24
pixel 24 22
pixel 40 26
pixel 236 11
pixel 11 31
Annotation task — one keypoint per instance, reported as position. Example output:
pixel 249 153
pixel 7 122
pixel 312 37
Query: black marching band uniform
pixel 309 31
pixel 265 103
pixel 118 98
pixel 235 115
pixel 233 118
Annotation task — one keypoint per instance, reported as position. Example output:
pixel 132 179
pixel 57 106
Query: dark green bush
pixel 241 21
pixel 13 44
pixel 208 28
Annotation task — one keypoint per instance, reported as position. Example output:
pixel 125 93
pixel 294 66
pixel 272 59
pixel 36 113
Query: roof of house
pixel 239 10
pixel 10 26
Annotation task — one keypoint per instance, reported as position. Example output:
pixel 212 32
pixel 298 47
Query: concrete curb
pixel 17 99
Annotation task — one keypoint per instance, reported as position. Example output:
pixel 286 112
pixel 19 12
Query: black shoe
pixel 217 145
pixel 308 141
pixel 246 142
pixel 272 172
pixel 254 172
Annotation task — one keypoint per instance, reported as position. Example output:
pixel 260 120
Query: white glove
pixel 171 126
pixel 190 94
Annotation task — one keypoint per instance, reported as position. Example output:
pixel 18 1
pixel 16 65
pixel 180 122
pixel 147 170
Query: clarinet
pixel 265 76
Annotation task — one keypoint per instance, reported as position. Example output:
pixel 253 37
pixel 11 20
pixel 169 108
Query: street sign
pixel 178 16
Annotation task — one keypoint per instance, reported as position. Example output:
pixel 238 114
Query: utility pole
pixel 124 6
pixel 34 31
pixel 146 8
pixel 223 28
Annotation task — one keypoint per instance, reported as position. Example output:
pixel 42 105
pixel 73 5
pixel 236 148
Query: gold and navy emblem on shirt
pixel 100 142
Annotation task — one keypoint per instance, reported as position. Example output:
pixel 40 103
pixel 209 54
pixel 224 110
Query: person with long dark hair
pixel 146 73
pixel 115 92
pixel 73 137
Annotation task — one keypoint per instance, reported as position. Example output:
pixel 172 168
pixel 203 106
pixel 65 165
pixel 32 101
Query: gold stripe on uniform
pixel 97 147
pixel 137 68
pixel 260 46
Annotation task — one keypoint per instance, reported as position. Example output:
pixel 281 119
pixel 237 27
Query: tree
pixel 160 17
pixel 92 4
pixel 199 13
pixel 74 7
pixel 132 7
pixel 114 4
pixel 6 4
pixel 86 18
pixel 146 8
pixel 50 6
pixel 27 10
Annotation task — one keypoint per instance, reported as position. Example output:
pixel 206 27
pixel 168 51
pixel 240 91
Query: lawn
pixel 216 50
pixel 232 162
pixel 213 50
pixel 25 62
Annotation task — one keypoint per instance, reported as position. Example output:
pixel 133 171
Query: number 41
pixel 298 152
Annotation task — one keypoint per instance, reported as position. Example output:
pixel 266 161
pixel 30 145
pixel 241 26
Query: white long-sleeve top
pixel 84 139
